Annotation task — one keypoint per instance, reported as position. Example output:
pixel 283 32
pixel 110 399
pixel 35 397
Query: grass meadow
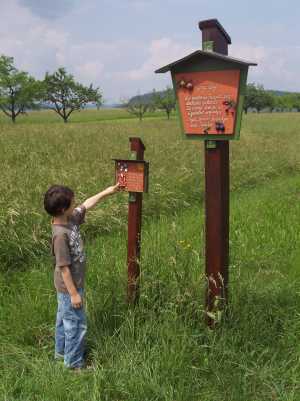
pixel 161 350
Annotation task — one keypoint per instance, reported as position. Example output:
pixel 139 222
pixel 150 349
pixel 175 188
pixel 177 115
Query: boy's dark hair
pixel 57 199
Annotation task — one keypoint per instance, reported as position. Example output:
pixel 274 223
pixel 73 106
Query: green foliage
pixel 294 101
pixel 66 95
pixel 258 98
pixel 165 100
pixel 280 103
pixel 18 90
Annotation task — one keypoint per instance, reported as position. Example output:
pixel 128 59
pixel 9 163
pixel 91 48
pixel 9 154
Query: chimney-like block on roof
pixel 213 31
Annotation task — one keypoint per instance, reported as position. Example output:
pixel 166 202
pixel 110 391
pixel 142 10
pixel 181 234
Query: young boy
pixel 69 273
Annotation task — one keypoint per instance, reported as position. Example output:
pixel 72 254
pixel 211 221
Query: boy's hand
pixel 76 300
pixel 91 202
pixel 113 189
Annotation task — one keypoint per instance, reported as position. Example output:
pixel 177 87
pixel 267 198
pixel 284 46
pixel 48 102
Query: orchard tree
pixel 18 90
pixel 268 100
pixel 279 103
pixel 165 100
pixel 138 106
pixel 99 104
pixel 288 102
pixel 295 101
pixel 284 103
pixel 258 98
pixel 249 101
pixel 66 95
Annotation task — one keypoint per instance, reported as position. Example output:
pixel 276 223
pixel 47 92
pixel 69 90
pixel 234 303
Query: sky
pixel 118 44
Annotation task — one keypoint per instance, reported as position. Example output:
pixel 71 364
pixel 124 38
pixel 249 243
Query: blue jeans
pixel 70 331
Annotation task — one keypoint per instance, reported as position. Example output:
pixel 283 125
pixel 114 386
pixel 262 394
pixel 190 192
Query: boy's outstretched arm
pixel 93 200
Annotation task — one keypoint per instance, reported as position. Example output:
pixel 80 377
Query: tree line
pixel 60 92
pixel 256 99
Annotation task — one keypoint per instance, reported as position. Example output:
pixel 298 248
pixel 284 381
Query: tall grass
pixel 160 350
pixel 79 155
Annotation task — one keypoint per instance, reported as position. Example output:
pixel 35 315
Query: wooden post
pixel 215 38
pixel 134 229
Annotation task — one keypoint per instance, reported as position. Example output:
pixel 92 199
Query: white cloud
pixel 161 51
pixel 130 81
pixel 89 72
pixel 32 42
pixel 122 67
pixel 277 66
pixel 49 10
pixel 37 47
pixel 140 4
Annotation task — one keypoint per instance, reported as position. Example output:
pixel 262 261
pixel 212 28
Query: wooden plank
pixel 134 231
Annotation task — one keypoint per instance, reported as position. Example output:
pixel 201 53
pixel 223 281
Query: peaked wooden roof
pixel 198 54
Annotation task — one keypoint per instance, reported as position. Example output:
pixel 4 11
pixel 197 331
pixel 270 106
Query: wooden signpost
pixel 210 88
pixel 132 176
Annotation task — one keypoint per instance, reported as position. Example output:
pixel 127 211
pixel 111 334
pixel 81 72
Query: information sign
pixel 208 101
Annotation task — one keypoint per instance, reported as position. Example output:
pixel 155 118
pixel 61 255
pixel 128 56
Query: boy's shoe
pixel 58 357
pixel 83 369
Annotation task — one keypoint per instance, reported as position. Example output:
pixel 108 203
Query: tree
pixel 258 98
pixel 288 102
pixel 66 95
pixel 280 102
pixel 249 100
pixel 165 100
pixel 18 90
pixel 138 106
pixel 295 101
pixel 268 100
pixel 99 104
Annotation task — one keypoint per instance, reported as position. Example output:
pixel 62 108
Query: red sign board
pixel 208 101
pixel 132 175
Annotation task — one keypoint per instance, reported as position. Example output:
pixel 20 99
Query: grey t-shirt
pixel 67 250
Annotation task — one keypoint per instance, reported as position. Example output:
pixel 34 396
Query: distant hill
pixel 145 98
pixel 280 93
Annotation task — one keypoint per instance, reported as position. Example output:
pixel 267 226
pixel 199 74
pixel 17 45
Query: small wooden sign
pixel 208 101
pixel 132 175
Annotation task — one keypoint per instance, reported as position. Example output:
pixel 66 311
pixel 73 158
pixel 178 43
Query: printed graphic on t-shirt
pixel 76 245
